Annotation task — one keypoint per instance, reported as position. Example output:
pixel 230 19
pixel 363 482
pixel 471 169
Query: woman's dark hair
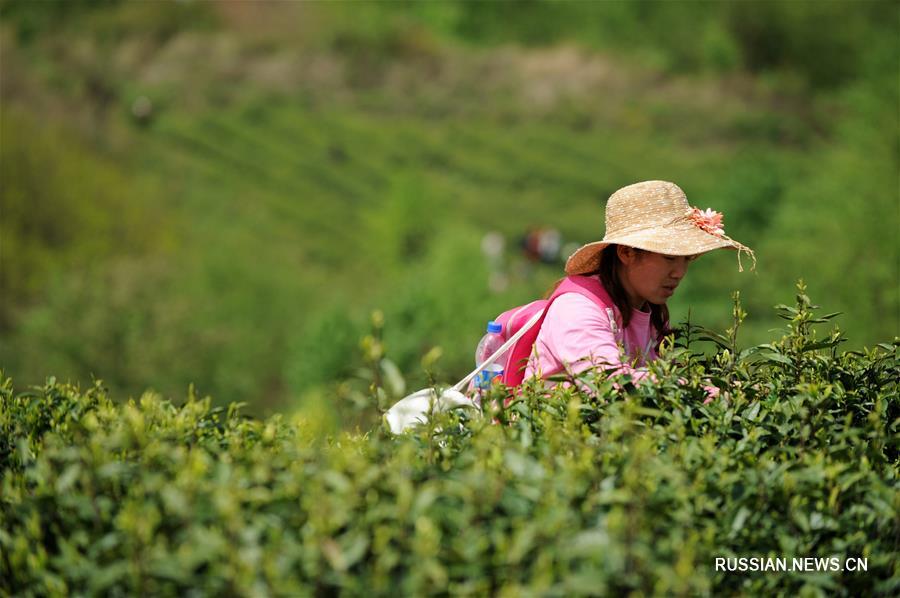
pixel 608 272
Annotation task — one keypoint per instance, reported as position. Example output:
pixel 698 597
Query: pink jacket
pixel 578 333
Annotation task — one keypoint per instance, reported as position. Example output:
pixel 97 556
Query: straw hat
pixel 656 216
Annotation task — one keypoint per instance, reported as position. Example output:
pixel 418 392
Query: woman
pixel 652 235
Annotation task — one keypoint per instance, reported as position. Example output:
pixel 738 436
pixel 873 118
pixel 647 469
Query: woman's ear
pixel 626 254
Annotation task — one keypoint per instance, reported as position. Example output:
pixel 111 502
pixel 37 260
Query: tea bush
pixel 598 487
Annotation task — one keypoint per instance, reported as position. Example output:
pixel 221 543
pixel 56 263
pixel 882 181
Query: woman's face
pixel 650 277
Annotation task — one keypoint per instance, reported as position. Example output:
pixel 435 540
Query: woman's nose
pixel 680 269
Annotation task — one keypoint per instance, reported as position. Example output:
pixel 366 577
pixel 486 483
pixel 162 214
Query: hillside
pixel 279 171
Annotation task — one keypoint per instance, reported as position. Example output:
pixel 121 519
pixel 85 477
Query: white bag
pixel 414 409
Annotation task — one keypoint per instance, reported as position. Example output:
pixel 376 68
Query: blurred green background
pixel 221 193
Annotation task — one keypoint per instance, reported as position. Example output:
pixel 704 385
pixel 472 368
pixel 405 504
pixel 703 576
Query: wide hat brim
pixel 681 238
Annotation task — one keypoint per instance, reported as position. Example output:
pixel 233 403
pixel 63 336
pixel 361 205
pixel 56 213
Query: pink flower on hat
pixel 708 220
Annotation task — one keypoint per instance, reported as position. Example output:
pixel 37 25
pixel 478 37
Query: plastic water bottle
pixel 488 345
